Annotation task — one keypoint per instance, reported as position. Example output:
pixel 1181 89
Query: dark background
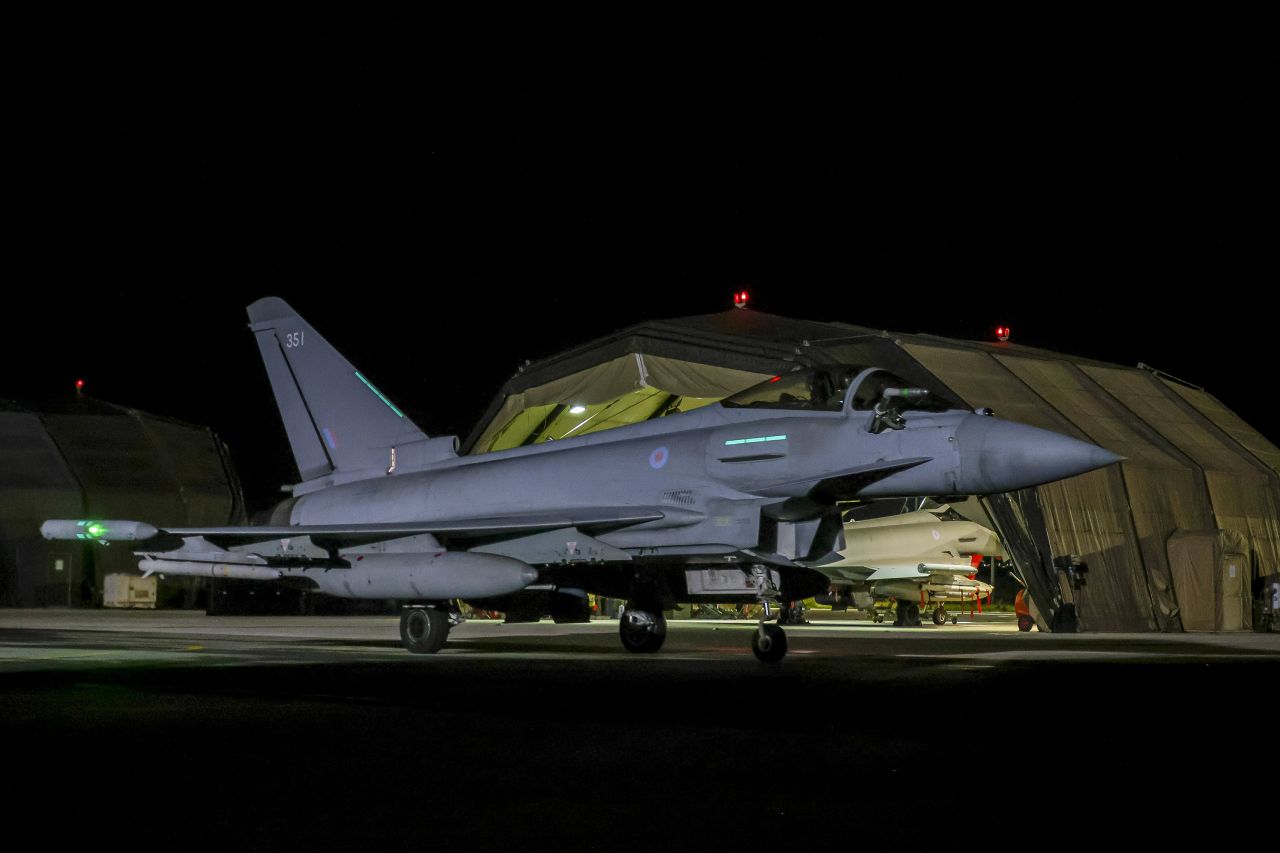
pixel 444 204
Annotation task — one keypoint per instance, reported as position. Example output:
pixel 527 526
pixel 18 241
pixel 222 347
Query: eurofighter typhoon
pixel 732 501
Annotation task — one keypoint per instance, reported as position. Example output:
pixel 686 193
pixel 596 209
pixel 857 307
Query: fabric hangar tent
pixel 1168 540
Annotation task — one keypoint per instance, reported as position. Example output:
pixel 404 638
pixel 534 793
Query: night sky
pixel 442 207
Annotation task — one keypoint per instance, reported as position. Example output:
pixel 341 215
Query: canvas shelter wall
pixel 35 484
pixel 34 479
pixel 1162 493
pixel 194 458
pixel 1230 423
pixel 1211 566
pixel 1087 515
pixel 1244 436
pixel 1242 491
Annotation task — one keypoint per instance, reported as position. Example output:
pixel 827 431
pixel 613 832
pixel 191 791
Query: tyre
pixel 911 617
pixel 769 643
pixel 423 630
pixel 642 631
pixel 1026 623
pixel 940 616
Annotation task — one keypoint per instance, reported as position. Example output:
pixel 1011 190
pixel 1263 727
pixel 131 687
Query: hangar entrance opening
pixel 625 390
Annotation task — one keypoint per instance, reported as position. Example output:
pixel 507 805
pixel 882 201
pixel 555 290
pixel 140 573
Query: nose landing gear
pixel 769 642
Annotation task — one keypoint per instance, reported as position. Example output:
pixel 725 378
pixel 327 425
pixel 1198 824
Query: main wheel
pixel 908 615
pixel 769 643
pixel 423 630
pixel 642 630
pixel 1026 623
pixel 940 616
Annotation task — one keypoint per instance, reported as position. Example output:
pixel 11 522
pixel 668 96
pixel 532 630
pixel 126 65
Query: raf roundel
pixel 658 458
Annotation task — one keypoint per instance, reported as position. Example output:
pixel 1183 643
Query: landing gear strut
pixel 769 643
pixel 423 630
pixel 792 613
pixel 642 629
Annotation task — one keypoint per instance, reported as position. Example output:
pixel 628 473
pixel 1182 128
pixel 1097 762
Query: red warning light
pixel 79 384
pixel 1002 333
pixel 740 299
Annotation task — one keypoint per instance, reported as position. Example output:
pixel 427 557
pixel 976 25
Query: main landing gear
pixel 642 628
pixel 423 630
pixel 908 615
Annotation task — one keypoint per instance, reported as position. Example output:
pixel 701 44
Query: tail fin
pixel 335 418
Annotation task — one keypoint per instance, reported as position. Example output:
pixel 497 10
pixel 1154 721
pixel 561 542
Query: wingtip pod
pixel 98 531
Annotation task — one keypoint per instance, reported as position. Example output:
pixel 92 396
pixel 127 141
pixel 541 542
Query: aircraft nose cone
pixel 1001 456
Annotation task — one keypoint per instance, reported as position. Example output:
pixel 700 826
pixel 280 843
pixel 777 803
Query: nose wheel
pixel 769 642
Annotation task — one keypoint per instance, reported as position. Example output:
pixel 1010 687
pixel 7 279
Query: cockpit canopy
pixel 824 389
pixel 817 389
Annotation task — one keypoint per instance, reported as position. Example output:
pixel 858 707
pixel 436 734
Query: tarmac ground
pixel 187 731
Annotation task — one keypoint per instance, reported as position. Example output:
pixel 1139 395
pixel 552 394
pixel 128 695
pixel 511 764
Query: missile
pixel 98 531
pixel 197 569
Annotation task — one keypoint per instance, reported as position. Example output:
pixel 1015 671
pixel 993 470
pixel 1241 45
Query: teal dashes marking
pixel 756 440
pixel 369 384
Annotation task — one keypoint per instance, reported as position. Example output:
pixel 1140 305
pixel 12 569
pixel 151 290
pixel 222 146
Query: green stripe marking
pixel 756 440
pixel 369 384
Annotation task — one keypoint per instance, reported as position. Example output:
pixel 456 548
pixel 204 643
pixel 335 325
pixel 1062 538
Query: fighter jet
pixel 738 498
pixel 917 551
